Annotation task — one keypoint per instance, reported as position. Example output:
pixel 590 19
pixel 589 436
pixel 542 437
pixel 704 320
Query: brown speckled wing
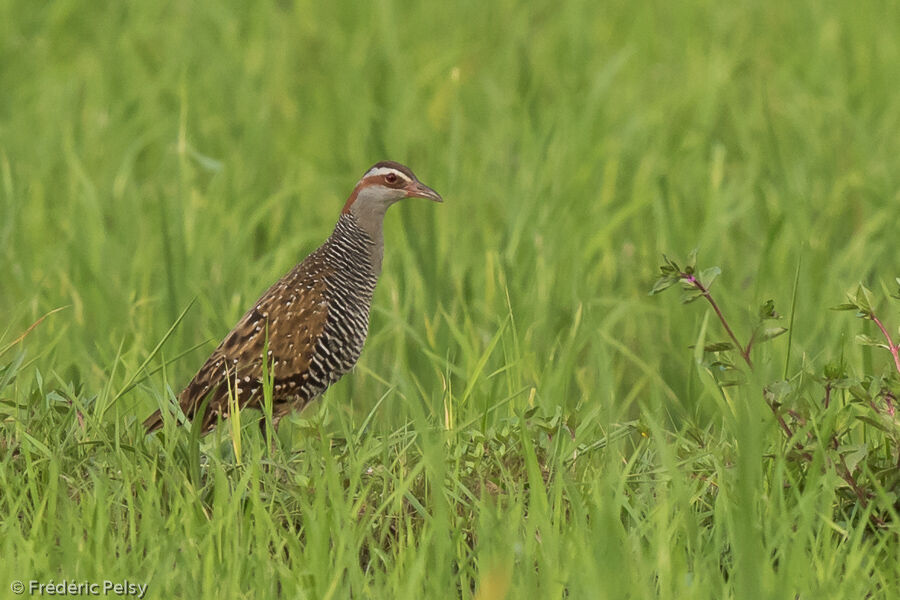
pixel 294 313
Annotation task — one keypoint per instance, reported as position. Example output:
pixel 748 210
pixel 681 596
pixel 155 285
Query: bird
pixel 313 322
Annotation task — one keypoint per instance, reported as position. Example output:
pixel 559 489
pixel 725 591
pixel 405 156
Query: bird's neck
pixel 360 240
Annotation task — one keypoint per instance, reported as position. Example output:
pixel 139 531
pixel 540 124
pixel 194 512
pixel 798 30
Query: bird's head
pixel 384 184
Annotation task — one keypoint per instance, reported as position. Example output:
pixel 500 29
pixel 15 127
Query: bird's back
pixel 312 324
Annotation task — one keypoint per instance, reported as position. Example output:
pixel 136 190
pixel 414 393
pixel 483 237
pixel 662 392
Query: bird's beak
pixel 416 189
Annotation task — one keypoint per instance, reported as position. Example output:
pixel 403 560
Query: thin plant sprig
pixel 696 284
pixel 861 302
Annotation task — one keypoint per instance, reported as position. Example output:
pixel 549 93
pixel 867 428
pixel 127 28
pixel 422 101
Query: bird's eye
pixel 390 178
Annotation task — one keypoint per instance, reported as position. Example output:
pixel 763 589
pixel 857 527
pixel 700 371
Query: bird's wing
pixel 292 315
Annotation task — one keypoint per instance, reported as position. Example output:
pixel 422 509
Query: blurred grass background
pixel 152 153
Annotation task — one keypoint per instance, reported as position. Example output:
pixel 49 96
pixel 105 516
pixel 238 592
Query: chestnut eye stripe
pixel 385 171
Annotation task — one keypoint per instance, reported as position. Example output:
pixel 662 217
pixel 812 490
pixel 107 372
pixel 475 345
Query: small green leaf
pixel 771 333
pixel 859 392
pixel 707 276
pixel 845 306
pixel 671 264
pixel 873 422
pixel 844 383
pixel 767 311
pixel 689 297
pixel 864 299
pixel 866 340
pixel 833 370
pixel 853 455
pixel 718 347
pixel 780 389
pixel 663 283
pixel 691 261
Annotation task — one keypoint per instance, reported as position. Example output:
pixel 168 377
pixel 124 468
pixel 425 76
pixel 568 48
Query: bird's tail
pixel 189 406
pixel 153 422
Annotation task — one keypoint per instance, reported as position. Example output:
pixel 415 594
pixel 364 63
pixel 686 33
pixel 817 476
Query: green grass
pixel 525 420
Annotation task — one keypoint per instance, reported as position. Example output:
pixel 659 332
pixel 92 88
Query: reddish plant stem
pixel 745 352
pixel 895 350
pixel 847 476
pixel 889 402
pixel 784 426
